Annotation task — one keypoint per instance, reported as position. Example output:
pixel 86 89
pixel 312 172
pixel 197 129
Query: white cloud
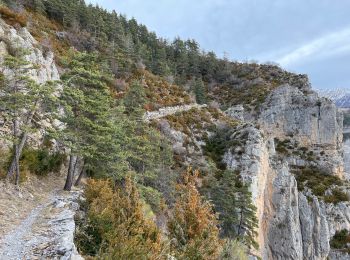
pixel 328 45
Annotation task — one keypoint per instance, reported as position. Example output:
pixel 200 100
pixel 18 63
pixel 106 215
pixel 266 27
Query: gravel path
pixel 46 233
pixel 18 242
pixel 166 111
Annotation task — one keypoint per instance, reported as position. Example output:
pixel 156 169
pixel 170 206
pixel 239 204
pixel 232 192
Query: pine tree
pixel 22 98
pixel 135 99
pixel 199 91
pixel 237 213
pixel 180 60
pixel 149 154
pixel 193 58
pixel 193 225
pixel 247 220
pixel 88 105
pixel 224 196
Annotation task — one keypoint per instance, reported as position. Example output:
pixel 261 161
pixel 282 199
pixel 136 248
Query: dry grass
pixel 159 92
pixel 44 31
pixel 13 18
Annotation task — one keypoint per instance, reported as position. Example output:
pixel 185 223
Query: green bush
pixel 151 197
pixel 4 162
pixel 318 181
pixel 234 250
pixel 336 197
pixel 340 240
pixel 223 140
pixel 320 189
pixel 41 162
pixel 282 147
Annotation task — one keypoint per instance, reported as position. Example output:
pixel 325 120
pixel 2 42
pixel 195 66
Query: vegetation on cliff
pixel 137 201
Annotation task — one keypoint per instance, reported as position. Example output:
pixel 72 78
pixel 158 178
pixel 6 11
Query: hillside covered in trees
pixel 113 70
pixel 166 140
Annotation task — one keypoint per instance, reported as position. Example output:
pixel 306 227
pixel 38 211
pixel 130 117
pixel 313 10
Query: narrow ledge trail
pixel 19 242
pixel 46 233
pixel 166 111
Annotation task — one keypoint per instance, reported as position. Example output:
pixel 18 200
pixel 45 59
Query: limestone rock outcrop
pixel 45 68
pixel 166 111
pixel 11 38
pixel 307 118
pixel 293 224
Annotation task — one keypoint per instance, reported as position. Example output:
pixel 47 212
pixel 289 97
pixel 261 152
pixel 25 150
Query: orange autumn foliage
pixel 118 218
pixel 12 17
pixel 193 225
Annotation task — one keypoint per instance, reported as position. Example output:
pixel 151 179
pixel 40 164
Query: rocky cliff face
pixel 11 38
pixel 45 69
pixel 292 132
pixel 293 223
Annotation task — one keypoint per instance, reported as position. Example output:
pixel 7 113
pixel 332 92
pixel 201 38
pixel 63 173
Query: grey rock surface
pixel 236 112
pixel 45 69
pixel 292 224
pixel 47 233
pixel 306 117
pixel 166 111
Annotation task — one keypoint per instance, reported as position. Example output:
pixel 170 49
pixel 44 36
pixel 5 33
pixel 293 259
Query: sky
pixel 303 36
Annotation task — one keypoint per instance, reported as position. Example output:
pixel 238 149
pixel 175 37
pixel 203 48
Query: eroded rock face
pixel 314 228
pixel 21 38
pixel 253 162
pixel 292 224
pixel 346 156
pixel 236 112
pixel 284 232
pixel 307 118
pixel 45 68
pixel 338 216
pixel 311 121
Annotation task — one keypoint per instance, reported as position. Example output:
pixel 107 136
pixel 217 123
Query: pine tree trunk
pixel 82 173
pixel 70 175
pixel 17 164
pixel 15 146
pixel 19 151
pixel 21 144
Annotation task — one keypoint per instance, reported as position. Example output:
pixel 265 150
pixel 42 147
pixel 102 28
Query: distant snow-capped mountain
pixel 341 97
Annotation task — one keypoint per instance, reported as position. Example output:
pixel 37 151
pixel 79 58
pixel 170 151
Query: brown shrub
pixel 13 18
pixel 117 227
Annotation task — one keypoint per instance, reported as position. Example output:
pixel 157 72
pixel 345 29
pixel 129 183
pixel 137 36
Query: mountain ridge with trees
pixel 161 188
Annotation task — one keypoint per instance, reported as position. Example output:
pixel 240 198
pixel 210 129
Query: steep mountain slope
pixel 263 124
pixel 295 136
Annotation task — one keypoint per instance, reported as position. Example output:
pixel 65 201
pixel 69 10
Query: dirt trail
pixel 166 111
pixel 19 242
pixel 37 221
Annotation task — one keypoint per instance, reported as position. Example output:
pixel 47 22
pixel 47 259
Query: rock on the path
pixel 62 227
